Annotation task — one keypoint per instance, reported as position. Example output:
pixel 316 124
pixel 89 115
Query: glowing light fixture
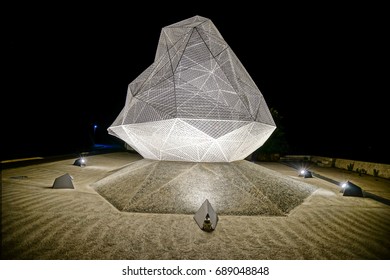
pixel 350 189
pixel 80 162
pixel 305 173
pixel 196 102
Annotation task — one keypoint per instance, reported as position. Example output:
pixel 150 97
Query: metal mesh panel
pixel 214 154
pixel 196 102
pixel 161 97
pixel 176 52
pixel 136 85
pixel 263 114
pixel 214 41
pixel 215 128
pixel 119 119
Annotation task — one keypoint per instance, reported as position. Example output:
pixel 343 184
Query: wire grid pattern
pixel 196 102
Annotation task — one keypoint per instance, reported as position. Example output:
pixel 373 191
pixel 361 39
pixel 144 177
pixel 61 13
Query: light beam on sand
pixel 236 188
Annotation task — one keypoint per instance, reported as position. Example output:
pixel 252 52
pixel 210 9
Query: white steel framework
pixel 196 102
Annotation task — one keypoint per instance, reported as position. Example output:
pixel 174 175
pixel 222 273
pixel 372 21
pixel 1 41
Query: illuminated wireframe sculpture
pixel 196 102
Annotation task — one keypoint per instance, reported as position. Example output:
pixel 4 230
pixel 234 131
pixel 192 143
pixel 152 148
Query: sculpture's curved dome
pixel 196 102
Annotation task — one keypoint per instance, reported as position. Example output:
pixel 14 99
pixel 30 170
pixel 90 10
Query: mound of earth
pixel 236 188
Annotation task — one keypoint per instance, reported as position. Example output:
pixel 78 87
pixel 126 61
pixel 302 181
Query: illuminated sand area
pixel 39 222
pixel 237 188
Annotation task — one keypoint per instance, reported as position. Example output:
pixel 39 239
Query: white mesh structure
pixel 196 102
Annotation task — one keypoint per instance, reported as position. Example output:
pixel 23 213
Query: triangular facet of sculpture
pixel 205 217
pixel 196 102
pixel 63 182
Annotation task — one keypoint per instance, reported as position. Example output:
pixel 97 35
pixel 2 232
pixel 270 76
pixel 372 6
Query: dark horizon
pixel 81 144
pixel 322 71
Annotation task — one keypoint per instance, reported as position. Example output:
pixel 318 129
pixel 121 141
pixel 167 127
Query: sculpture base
pixel 236 188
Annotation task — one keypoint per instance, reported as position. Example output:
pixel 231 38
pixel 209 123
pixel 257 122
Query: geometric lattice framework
pixel 196 102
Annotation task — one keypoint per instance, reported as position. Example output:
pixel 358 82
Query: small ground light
pixel 80 162
pixel 207 226
pixel 350 189
pixel 305 173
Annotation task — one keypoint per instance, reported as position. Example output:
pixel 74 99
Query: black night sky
pixel 323 68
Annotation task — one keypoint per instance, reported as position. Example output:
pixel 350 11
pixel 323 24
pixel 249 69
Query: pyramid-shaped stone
pixel 63 182
pixel 206 217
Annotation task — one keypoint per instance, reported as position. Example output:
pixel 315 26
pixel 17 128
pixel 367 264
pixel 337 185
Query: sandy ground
pixel 239 188
pixel 39 222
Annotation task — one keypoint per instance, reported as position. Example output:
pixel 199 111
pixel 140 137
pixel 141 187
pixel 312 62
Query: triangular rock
pixel 206 217
pixel 351 189
pixel 63 182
